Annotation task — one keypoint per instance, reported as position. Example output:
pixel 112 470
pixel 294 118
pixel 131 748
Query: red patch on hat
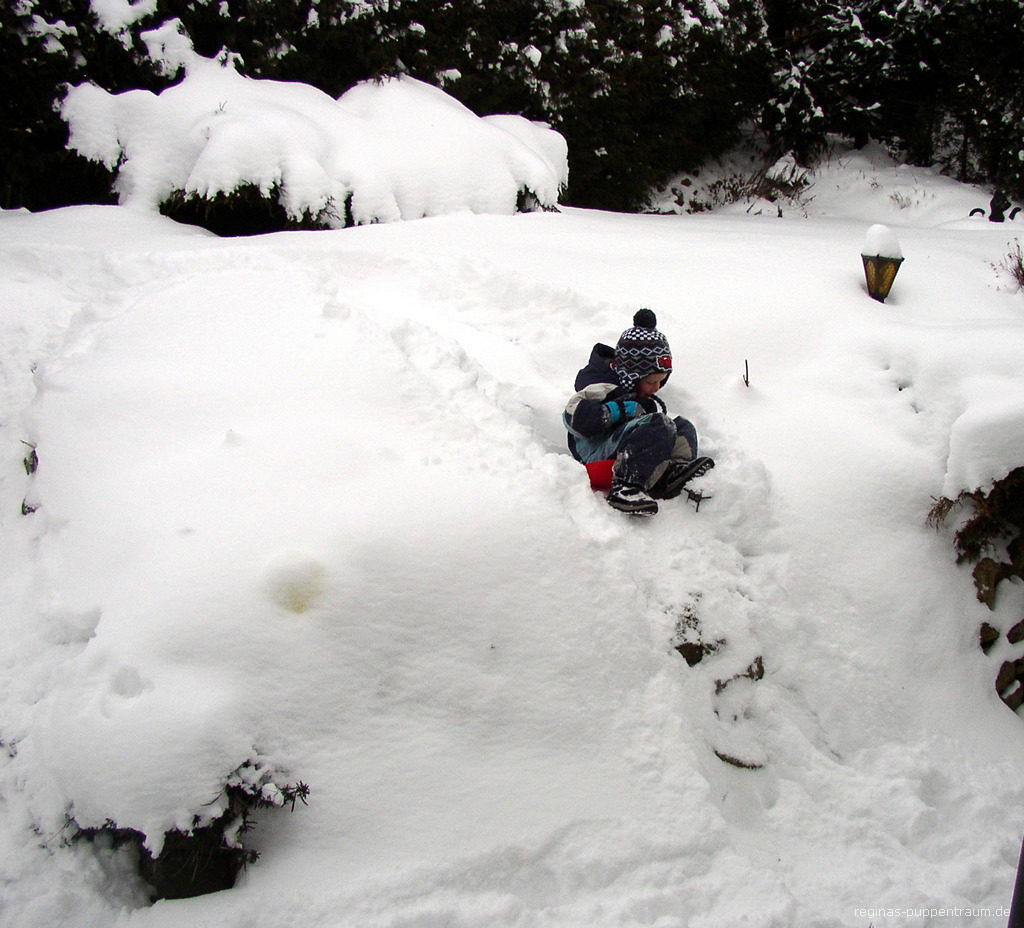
pixel 665 362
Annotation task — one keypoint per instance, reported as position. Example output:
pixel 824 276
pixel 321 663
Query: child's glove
pixel 622 409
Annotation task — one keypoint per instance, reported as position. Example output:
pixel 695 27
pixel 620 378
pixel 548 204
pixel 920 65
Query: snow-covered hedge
pixel 383 151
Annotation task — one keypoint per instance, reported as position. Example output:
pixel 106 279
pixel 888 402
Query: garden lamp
pixel 882 259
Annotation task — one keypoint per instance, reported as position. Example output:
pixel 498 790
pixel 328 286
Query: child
pixel 615 413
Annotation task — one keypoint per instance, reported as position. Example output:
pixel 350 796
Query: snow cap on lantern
pixel 882 258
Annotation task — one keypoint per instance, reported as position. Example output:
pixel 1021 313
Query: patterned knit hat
pixel 642 350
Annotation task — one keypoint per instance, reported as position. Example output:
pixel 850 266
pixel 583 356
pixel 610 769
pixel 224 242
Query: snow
pixel 384 151
pixel 304 499
pixel 115 16
pixel 986 435
pixel 881 242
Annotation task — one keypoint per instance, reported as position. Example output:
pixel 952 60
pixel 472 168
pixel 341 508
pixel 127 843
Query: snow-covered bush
pixel 208 856
pixel 757 184
pixel 384 151
pixel 991 538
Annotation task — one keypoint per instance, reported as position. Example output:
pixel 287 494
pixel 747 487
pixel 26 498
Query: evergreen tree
pixel 641 89
pixel 981 137
pixel 43 44
pixel 654 88
pixel 956 96
pixel 341 43
pixel 937 80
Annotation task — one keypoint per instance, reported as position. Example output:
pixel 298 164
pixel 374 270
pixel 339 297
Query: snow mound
pixel 302 503
pixel 986 442
pixel 397 149
pixel 866 184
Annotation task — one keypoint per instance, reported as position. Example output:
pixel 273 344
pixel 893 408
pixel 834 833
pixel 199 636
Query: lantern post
pixel 882 258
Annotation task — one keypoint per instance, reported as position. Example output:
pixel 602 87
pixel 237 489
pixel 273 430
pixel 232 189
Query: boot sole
pixel 698 468
pixel 637 511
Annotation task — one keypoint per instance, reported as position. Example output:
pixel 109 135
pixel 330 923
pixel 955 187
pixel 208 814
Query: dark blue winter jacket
pixel 597 408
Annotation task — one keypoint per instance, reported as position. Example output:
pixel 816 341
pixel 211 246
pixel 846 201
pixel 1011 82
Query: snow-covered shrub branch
pixel 208 856
pixel 992 539
pixel 783 182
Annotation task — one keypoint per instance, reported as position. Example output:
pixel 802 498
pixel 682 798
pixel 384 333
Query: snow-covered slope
pixel 305 498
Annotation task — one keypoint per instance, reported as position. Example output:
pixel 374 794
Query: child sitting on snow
pixel 616 414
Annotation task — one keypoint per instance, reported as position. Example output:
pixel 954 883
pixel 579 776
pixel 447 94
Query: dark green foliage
pixel 679 116
pixel 245 211
pixel 823 56
pixel 982 92
pixel 476 50
pixel 642 89
pixel 261 32
pixel 651 90
pixel 993 537
pixel 958 92
pixel 938 80
pixel 338 47
pixel 45 46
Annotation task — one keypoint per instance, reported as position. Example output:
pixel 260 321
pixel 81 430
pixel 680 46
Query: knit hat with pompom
pixel 642 350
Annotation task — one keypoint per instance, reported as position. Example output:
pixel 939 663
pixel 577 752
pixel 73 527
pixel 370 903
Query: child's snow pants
pixel 642 447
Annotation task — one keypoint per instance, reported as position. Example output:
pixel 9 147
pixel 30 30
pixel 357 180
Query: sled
pixel 600 473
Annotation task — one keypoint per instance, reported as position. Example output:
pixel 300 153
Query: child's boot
pixel 678 475
pixel 627 497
